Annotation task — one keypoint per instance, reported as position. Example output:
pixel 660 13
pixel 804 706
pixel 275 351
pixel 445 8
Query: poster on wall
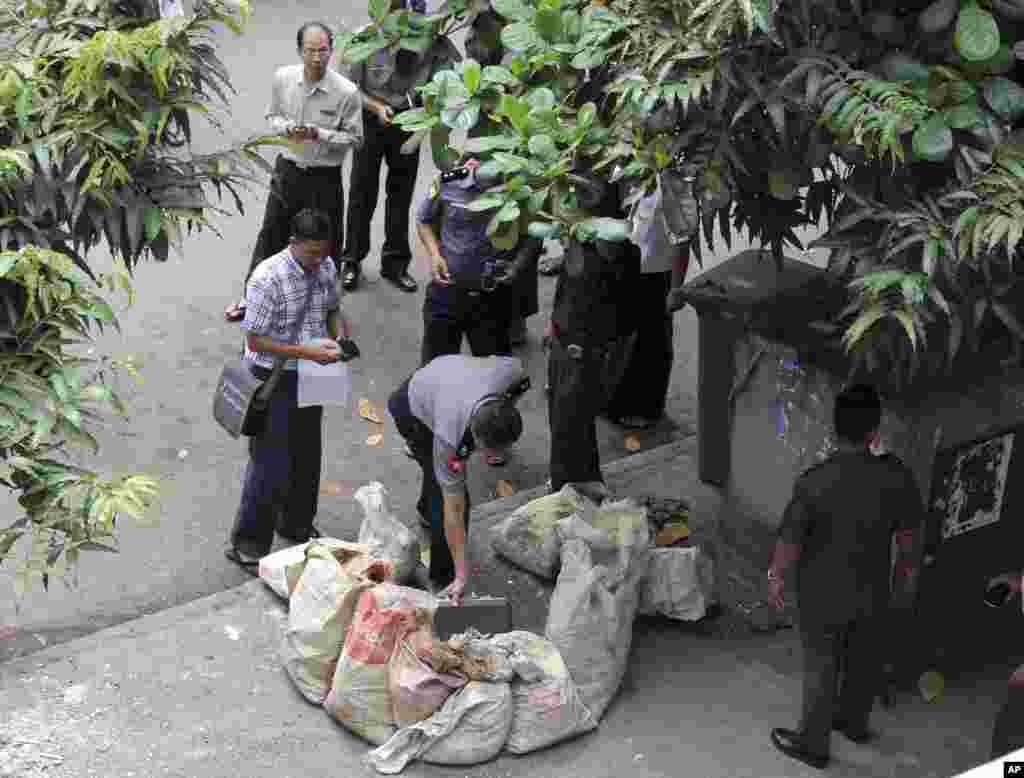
pixel 972 494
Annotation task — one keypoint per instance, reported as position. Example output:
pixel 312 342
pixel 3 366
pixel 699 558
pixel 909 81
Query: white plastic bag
pixel 592 609
pixel 679 584
pixel 386 537
pixel 323 384
pixel 282 569
pixel 471 727
pixel 319 613
pixel 527 538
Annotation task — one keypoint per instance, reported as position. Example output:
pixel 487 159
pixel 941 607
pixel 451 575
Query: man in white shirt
pixel 319 111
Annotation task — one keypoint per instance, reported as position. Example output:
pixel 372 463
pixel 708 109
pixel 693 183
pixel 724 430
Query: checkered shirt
pixel 274 297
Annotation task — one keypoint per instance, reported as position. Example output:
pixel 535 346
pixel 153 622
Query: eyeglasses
pixel 322 52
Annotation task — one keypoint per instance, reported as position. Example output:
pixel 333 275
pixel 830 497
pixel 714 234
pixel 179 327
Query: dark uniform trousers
pixel 293 189
pixel 431 503
pixel 282 478
pixel 381 144
pixel 842 675
pixel 453 312
pixel 1008 732
pixel 574 402
pixel 643 389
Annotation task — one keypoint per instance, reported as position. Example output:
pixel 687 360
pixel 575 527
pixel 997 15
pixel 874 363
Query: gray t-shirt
pixel 443 395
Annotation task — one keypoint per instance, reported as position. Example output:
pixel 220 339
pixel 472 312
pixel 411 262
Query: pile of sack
pixel 678 582
pixel 360 642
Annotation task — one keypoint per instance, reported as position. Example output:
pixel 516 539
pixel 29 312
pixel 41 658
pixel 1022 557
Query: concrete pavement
pixel 197 691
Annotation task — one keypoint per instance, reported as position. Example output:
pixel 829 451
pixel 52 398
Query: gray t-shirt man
pixel 443 395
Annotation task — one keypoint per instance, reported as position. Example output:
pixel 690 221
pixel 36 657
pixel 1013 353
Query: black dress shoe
pixel 856 736
pixel 349 276
pixel 791 744
pixel 403 281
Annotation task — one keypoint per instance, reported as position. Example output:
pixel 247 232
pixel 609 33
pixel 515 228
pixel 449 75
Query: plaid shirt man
pixel 274 297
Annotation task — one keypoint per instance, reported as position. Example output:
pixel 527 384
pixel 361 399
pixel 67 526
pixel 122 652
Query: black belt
pixel 312 168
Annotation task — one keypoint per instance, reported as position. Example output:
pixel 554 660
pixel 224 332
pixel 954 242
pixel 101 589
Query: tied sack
pixel 595 601
pixel 282 569
pixel 471 727
pixel 360 697
pixel 387 537
pixel 319 612
pixel 528 538
pixel 417 690
pixel 546 708
pixel 679 584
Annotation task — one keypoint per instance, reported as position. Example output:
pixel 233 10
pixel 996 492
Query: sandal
pixel 235 312
pixel 248 563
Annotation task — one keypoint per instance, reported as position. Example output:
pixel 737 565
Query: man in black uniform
pixel 837 531
pixel 593 308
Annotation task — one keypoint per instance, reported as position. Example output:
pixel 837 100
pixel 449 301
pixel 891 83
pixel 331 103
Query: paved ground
pixel 197 691
pixel 177 333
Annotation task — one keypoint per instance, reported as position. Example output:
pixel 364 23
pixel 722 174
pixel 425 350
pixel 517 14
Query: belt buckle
pixel 575 351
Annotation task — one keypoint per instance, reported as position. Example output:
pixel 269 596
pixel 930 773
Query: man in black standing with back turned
pixel 837 531
pixel 387 82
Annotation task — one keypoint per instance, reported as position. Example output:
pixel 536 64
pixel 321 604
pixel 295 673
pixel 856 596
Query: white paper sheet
pixel 323 384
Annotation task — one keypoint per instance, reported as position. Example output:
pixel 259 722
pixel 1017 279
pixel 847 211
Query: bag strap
pixel 267 389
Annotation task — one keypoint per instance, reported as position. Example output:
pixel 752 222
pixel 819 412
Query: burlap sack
pixel 527 538
pixel 417 690
pixel 592 609
pixel 282 569
pixel 320 610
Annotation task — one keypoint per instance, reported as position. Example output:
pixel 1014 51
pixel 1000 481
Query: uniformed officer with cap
pixel 474 290
pixel 837 532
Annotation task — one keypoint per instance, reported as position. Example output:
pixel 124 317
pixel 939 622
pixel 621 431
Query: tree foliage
pixel 897 125
pixel 96 104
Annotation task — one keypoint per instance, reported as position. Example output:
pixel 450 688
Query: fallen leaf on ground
pixel 336 488
pixel 374 440
pixel 7 631
pixel 632 443
pixel 671 534
pixel 369 412
pixel 505 489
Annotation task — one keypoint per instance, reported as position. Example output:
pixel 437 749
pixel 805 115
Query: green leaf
pixel 1005 97
pixel 977 34
pixel 541 98
pixel 495 74
pixel 488 143
pixel 153 220
pixel 514 10
pixel 419 44
pixel 464 118
pixel 521 36
pixel 544 147
pixel 485 203
pixel 363 51
pixel 509 212
pixel 586 115
pixel 604 228
pixel 964 117
pixel 378 9
pixel 517 111
pixel 548 22
pixel 471 74
pixel 542 230
pixel 933 140
pixel 589 58
pixel 7 261
pixel 444 157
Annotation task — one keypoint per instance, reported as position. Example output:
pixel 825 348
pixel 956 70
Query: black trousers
pixel 282 479
pixel 431 503
pixel 381 144
pixel 643 388
pixel 1008 731
pixel 576 396
pixel 296 189
pixel 451 313
pixel 852 651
